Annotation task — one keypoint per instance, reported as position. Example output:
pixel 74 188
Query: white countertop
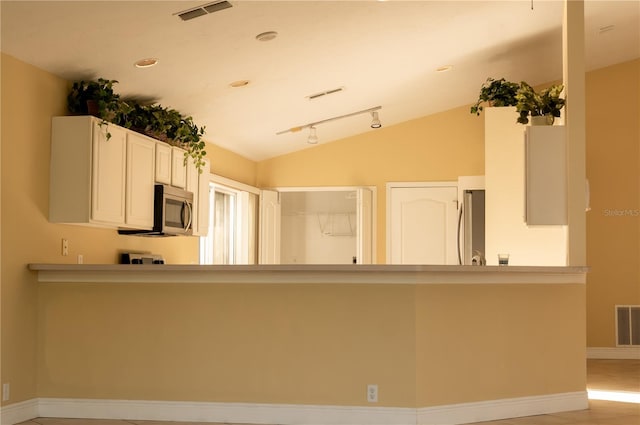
pixel 298 273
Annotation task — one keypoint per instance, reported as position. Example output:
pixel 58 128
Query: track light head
pixel 313 138
pixel 375 121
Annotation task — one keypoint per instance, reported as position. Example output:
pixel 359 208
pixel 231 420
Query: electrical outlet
pixel 65 247
pixel 6 392
pixel 372 393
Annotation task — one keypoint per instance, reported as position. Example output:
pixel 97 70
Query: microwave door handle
pixel 188 208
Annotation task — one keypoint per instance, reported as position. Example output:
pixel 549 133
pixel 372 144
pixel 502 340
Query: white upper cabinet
pixel 140 181
pixel 87 172
pixel 178 168
pixel 198 184
pixel 163 163
pixel 506 231
pixel 104 175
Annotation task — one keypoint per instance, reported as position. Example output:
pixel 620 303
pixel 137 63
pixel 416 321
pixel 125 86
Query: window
pixel 224 208
pixel 233 215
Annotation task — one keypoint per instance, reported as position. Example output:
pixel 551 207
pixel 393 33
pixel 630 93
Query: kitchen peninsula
pixel 305 344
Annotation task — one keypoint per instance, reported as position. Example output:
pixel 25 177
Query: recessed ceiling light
pixel 239 83
pixel 266 36
pixel 444 68
pixel 146 63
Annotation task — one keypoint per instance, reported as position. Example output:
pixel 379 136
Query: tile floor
pixel 610 375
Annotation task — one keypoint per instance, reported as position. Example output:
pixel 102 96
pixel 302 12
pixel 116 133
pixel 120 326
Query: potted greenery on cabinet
pixel 95 98
pixel 542 107
pixel 168 125
pixel 496 93
pixel 546 104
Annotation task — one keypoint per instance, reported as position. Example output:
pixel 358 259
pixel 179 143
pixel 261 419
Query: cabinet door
pixel 163 163
pixel 545 175
pixel 192 186
pixel 203 199
pixel 198 183
pixel 178 168
pixel 108 174
pixel 140 181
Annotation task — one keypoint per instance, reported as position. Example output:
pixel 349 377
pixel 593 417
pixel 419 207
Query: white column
pixel 574 82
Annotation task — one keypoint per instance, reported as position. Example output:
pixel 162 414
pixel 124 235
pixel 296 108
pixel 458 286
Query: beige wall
pixel 318 344
pixel 30 97
pixel 301 344
pixel 231 165
pixel 491 342
pixel 438 147
pixel 613 170
pixel 445 145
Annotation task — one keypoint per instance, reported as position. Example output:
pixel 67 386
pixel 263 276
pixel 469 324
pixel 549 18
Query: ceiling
pixel 382 53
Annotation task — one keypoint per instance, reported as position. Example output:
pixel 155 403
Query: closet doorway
pixel 320 226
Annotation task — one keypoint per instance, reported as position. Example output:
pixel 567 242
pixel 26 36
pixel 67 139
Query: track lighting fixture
pixel 375 121
pixel 313 138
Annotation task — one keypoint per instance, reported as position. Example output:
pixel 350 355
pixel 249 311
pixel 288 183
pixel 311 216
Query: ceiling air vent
pixel 203 10
pixel 324 93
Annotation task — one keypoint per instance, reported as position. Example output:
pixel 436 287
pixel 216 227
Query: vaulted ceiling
pixel 379 53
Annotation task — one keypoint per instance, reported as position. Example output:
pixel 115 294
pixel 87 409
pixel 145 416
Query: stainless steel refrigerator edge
pixel 471 227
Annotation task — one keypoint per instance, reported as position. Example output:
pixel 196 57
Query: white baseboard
pixel 502 409
pixel 290 414
pixel 19 412
pixel 226 412
pixel 622 353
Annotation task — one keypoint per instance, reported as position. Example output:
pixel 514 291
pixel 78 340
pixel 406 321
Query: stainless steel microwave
pixel 172 213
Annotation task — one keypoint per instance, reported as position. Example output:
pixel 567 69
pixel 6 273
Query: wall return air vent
pixel 196 12
pixel 628 325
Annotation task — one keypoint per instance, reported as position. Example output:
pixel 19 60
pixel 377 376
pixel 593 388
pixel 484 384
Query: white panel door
pixel 365 226
pixel 423 225
pixel 269 227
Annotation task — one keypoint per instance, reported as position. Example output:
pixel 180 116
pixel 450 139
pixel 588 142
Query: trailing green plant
pixel 124 113
pixel 95 98
pixel 165 124
pixel 496 93
pixel 190 136
pixel 546 103
pixel 178 130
